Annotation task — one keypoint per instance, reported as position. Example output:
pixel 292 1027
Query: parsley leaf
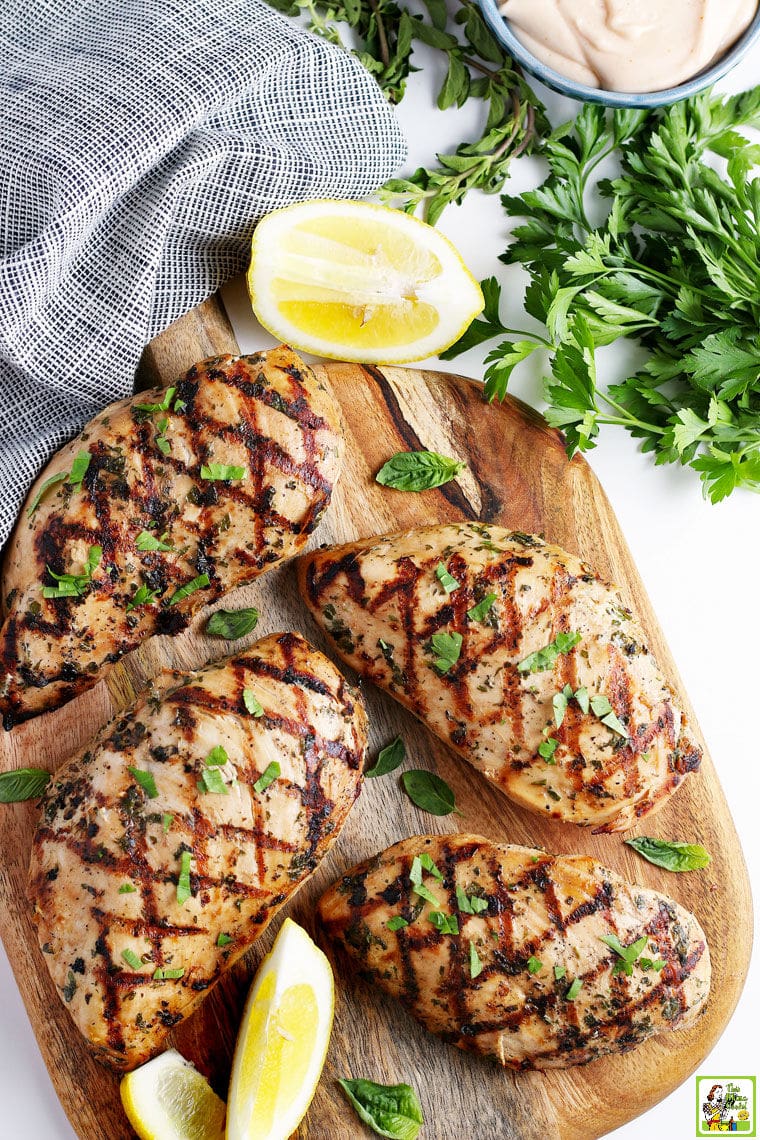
pixel 448 582
pixel 444 923
pixel 183 882
pixel 397 922
pixel 602 708
pixel 74 585
pixel 146 541
pixel 627 955
pixel 141 597
pixel 447 647
pixel 479 611
pixel 535 965
pixel 252 705
pixel 574 989
pixel 476 966
pixel 146 782
pixel 544 659
pixel 131 959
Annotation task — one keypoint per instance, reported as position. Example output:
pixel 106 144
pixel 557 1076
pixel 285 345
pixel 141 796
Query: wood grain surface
pixel 518 476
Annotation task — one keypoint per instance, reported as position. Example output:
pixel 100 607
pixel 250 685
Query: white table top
pixel 698 562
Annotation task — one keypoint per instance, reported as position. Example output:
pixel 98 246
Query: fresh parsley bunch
pixel 477 67
pixel 675 265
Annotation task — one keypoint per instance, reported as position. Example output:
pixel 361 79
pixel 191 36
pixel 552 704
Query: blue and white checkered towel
pixel 139 142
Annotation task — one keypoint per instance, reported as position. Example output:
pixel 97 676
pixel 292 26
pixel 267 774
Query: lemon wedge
pixel 356 281
pixel 283 1038
pixel 168 1099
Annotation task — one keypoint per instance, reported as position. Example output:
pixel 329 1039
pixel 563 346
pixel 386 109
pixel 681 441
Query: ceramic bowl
pixel 557 82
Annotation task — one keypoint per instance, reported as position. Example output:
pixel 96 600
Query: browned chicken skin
pixel 147 800
pixel 526 977
pixel 386 602
pixel 158 514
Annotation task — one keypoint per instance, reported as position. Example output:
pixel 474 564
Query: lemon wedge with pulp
pixel 355 281
pixel 283 1038
pixel 168 1099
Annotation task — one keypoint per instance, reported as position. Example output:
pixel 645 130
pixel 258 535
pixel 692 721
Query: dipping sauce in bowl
pixel 628 45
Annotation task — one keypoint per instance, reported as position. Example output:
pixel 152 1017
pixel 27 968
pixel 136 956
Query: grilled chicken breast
pixel 165 502
pixel 165 848
pixel 526 977
pixel 460 623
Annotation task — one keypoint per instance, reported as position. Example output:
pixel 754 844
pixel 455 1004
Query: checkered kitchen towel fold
pixel 139 142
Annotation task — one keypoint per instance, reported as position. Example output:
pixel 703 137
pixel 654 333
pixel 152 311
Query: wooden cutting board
pixel 518 476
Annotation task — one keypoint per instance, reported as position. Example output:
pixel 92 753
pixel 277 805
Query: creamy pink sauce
pixel 628 45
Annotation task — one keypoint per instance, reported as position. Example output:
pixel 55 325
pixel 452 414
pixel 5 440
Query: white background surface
pixel 698 562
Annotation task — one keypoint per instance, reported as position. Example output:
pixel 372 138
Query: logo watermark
pixel 727 1104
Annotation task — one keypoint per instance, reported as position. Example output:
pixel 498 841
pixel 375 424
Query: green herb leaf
pixel 396 923
pixel 232 624
pixel 183 882
pixel 79 469
pixel 51 482
pixel 535 965
pixel 132 959
pixel 479 611
pixel 422 863
pixel 146 782
pixel 74 585
pixel 547 748
pixel 127 889
pixel 222 472
pixel 22 784
pixel 198 583
pixel 429 792
pixel 447 646
pixel 164 406
pixel 673 856
pixel 581 696
pixel 444 923
pixel 544 659
pixel 212 781
pixel 447 581
pixel 471 904
pixel 575 988
pixel 141 597
pixel 418 471
pixel 627 955
pixel 559 973
pixel 251 703
pixel 389 1110
pixel 223 940
pixel 217 757
pixel 165 973
pixel 559 704
pixel 602 708
pixel 388 759
pixel 476 966
pixel 146 541
pixel 648 964
pixel 166 821
pixel 267 777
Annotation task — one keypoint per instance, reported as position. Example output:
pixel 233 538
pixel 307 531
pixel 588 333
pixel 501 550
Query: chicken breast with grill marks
pixel 520 970
pixel 515 654
pixel 166 847
pixel 164 503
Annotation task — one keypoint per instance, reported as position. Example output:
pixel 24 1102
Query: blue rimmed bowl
pixel 557 82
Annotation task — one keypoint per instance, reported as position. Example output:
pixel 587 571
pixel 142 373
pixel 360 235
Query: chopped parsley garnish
pixel 223 940
pixel 559 973
pixel 448 582
pixel 164 406
pixel 162 443
pixel 198 583
pixel 560 702
pixel 544 659
pixel 251 704
pixel 141 597
pixel 581 696
pixel 267 777
pixel 164 973
pixel 146 782
pixel 131 959
pixel 183 882
pixel 602 708
pixel 476 965
pixel 574 989
pixel 627 955
pixel 534 965
pixel 547 748
pixel 447 647
pixel 51 482
pixel 397 922
pixel 478 612
pixel 648 964
pixel 217 757
pixel 147 541
pixel 127 889
pixel 232 624
pixel 74 585
pixel 79 469
pixel 470 904
pixel 422 863
pixel 444 923
pixel 222 471
pixel 166 821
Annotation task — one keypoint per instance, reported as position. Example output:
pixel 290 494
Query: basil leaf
pixel 627 955
pixel 252 705
pixel 141 597
pixel 147 541
pixel 51 482
pixel 127 889
pixel 470 904
pixel 232 624
pixel 146 782
pixel 222 471
pixel 476 966
pixel 559 704
pixel 217 757
pixel 418 471
pixel 223 940
pixel 79 469
pixel 184 889
pixel 422 863
pixel 674 856
pixel 22 784
pixel 267 777
pixel 198 583
pixel 388 759
pixel 448 646
pixel 73 585
pixel 396 923
pixel 544 659
pixel 448 582
pixel 575 988
pixel 547 748
pixel 602 708
pixel 535 965
pixel 444 923
pixel 559 973
pixel 212 780
pixel 132 959
pixel 581 696
pixel 429 792
pixel 478 612
pixel 162 407
pixel 166 821
pixel 389 1110
pixel 163 973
